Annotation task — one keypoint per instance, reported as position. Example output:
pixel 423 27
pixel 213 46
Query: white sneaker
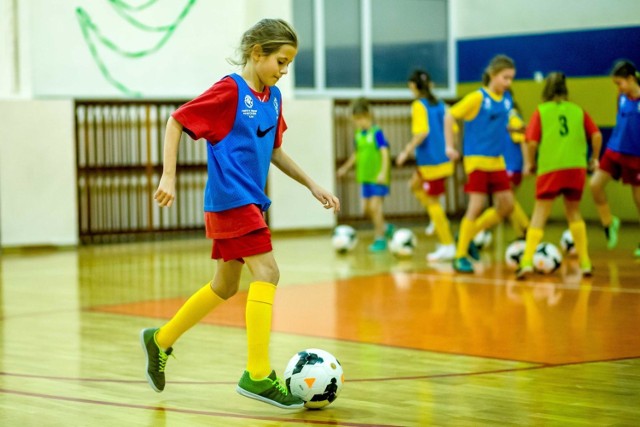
pixel 430 230
pixel 443 253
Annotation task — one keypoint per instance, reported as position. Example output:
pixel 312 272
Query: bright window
pixel 369 47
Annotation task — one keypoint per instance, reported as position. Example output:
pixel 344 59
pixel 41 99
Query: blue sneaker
pixel 462 265
pixel 378 245
pixel 473 251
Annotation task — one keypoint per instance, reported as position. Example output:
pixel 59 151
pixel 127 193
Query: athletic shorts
pixel 255 242
pixel 487 182
pixel 515 178
pixel 621 166
pixel 568 182
pixel 434 187
pixel 372 190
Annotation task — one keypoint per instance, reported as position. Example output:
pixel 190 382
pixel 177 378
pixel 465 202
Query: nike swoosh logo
pixel 262 133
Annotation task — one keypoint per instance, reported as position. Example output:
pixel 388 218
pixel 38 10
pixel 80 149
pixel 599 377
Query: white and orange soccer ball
pixel 315 376
pixel 547 258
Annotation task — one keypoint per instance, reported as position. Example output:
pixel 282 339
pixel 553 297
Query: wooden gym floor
pixel 419 344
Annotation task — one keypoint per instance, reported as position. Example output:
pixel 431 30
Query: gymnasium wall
pixel 580 38
pixel 45 62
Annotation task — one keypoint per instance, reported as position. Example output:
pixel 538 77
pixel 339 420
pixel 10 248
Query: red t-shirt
pixel 211 116
pixel 534 128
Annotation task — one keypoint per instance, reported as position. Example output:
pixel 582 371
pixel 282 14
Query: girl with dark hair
pixel 433 166
pixel 621 160
pixel 559 131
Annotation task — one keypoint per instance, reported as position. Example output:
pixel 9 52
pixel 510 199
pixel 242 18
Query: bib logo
pixel 249 111
pixel 487 104
pixel 248 101
pixel 275 105
pixel 507 104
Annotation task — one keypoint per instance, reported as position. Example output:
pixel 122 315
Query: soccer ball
pixel 344 238
pixel 403 242
pixel 513 254
pixel 315 376
pixel 483 239
pixel 547 258
pixel 567 244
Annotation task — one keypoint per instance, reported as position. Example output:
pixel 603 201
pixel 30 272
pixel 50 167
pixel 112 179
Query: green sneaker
pixel 388 231
pixel 636 253
pixel 525 269
pixel 378 245
pixel 586 269
pixel 156 358
pixel 612 234
pixel 462 265
pixel 270 390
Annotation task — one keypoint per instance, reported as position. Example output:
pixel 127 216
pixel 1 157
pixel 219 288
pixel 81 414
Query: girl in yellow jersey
pixel 433 165
pixel 485 113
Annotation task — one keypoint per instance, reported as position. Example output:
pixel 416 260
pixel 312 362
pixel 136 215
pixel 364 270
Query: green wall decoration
pixel 93 35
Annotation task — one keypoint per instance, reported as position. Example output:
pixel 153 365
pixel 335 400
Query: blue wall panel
pixel 577 53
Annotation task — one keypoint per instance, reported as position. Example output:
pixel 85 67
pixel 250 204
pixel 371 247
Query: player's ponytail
pixel 555 86
pixel 624 69
pixel 423 83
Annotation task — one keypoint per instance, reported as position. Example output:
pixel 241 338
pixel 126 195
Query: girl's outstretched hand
pixel 328 200
pixel 166 192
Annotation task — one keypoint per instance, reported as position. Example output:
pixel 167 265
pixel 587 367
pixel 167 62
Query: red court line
pixel 188 411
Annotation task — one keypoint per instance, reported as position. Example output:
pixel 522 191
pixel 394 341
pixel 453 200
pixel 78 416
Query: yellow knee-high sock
pixel 258 317
pixel 441 223
pixel 191 312
pixel 534 236
pixel 422 197
pixel 467 231
pixel 579 232
pixel 488 219
pixel 519 219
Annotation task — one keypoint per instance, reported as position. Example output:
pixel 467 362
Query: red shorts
pixel 433 187
pixel 487 182
pixel 253 243
pixel 568 182
pixel 515 178
pixel 623 166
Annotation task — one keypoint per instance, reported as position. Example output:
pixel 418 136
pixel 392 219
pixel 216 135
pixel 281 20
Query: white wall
pixel 37 174
pixel 482 18
pixel 55 60
pixel 309 142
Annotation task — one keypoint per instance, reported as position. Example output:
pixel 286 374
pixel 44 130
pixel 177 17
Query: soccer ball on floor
pixel 513 254
pixel 344 238
pixel 403 242
pixel 315 376
pixel 483 239
pixel 567 244
pixel 547 258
